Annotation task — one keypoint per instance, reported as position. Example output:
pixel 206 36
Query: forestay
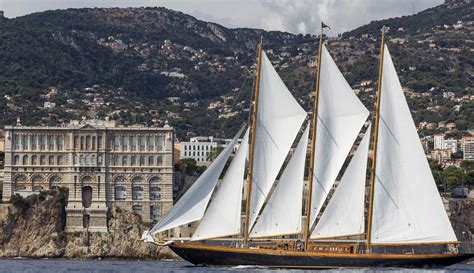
pixel 341 115
pixel 344 215
pixel 282 213
pixel 407 205
pixel 222 217
pixel 191 206
pixel 279 118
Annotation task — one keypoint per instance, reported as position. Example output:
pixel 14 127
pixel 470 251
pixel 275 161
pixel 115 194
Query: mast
pixel 376 133
pixel 309 190
pixel 252 145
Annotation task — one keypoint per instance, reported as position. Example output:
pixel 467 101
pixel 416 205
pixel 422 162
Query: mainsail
pixel 282 213
pixel 344 215
pixel 279 118
pixel 407 205
pixel 222 217
pixel 341 115
pixel 191 206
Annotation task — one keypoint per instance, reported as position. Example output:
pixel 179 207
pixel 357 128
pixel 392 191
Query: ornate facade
pixel 102 166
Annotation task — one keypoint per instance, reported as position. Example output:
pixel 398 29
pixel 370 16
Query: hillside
pixel 148 65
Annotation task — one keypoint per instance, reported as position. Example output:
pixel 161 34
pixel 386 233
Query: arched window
pixel 155 193
pixel 124 160
pixel 120 193
pixel 137 193
pixel 155 213
pixel 115 160
pixel 54 182
pixel 159 160
pixel 133 160
pixel 20 183
pixel 42 160
pixel 37 183
pixel 60 160
pixel 150 160
pixel 34 160
pixel 16 160
pixel 51 160
pixel 25 160
pixel 142 160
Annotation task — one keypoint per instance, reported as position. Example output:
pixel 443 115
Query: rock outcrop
pixel 34 227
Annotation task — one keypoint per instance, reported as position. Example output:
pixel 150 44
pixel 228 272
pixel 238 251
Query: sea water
pixel 103 266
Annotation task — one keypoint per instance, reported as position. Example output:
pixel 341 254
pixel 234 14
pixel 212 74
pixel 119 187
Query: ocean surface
pixel 105 266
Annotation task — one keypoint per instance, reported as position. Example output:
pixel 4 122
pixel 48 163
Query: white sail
pixel 344 215
pixel 279 118
pixel 282 213
pixel 191 206
pixel 407 205
pixel 341 115
pixel 222 217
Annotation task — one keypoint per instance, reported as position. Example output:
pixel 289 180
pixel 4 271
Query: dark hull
pixel 228 256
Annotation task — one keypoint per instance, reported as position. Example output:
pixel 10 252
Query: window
pixel 116 143
pixel 33 142
pixel 137 193
pixel 133 160
pixel 136 207
pixel 20 183
pixel 25 142
pixel 16 160
pixel 42 143
pixel 82 143
pixel 115 160
pixel 16 140
pixel 51 142
pixel 155 193
pixel 149 140
pixel 142 143
pixel 25 160
pixel 125 143
pixel 60 142
pixel 51 160
pixel 160 143
pixel 34 160
pixel 159 160
pixel 37 182
pixel 60 160
pixel 150 161
pixel 42 160
pixel 142 160
pixel 134 143
pixel 155 213
pixel 93 143
pixel 88 142
pixel 124 160
pixel 120 193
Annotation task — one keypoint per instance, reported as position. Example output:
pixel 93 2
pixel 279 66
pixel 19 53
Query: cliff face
pixel 34 227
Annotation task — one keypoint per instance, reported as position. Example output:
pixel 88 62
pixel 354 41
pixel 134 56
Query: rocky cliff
pixel 34 227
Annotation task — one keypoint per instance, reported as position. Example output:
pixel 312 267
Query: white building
pixel 199 148
pixel 438 141
pixel 468 147
pixel 451 144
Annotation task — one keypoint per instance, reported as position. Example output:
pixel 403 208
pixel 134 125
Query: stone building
pixel 102 166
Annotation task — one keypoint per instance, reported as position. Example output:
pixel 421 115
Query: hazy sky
pixel 296 16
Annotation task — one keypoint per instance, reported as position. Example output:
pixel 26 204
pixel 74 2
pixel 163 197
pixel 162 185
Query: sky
pixel 295 16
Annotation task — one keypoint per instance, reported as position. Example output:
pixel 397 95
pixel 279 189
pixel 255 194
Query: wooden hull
pixel 231 256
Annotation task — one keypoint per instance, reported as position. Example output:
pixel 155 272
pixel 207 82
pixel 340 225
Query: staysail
pixel 279 119
pixel 191 206
pixel 341 115
pixel 344 214
pixel 222 217
pixel 407 205
pixel 282 213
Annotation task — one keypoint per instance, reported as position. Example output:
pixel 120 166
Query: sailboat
pixel 404 208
